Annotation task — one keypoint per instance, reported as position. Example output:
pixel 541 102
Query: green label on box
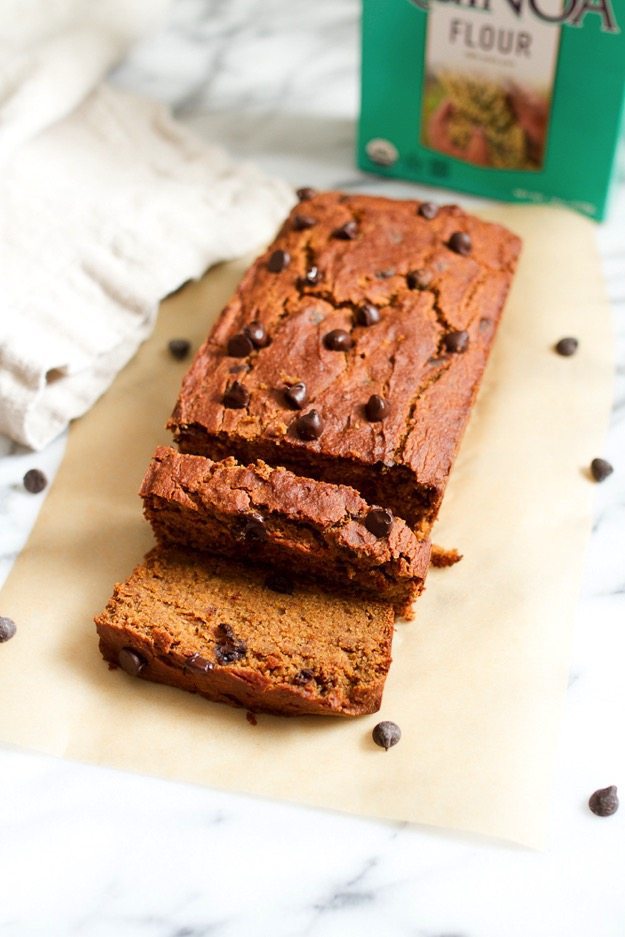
pixel 520 100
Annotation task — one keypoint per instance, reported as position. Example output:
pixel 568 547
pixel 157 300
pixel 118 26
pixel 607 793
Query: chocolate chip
pixel 236 396
pixel 310 278
pixel 302 222
pixel 419 279
pixel 257 334
pixel 376 408
pixel 279 582
pixel 131 661
pixel 179 348
pixel 604 802
pixel 385 274
pixel 427 210
pixel 278 261
pixel 7 629
pixel 600 469
pixel 379 522
pixel 347 231
pixel 303 676
pixel 296 395
pixel 305 193
pixel 460 243
pixel 386 734
pixel 456 342
pixel 34 481
pixel 240 345
pixel 252 528
pixel 309 426
pixel 230 648
pixel 367 315
pixel 567 346
pixel 196 662
pixel 338 340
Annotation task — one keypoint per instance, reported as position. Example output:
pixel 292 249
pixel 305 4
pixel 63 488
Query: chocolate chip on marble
pixel 460 243
pixel 379 522
pixel 567 346
pixel 252 528
pixel 600 469
pixel 347 231
pixel 239 345
pixel 456 342
pixel 303 676
pixel 310 278
pixel 427 210
pixel 7 629
pixel 419 279
pixel 604 802
pixel 236 396
pixel 229 648
pixel 296 395
pixel 303 222
pixel 131 661
pixel 257 334
pixel 386 734
pixel 367 315
pixel 179 348
pixel 279 582
pixel 199 663
pixel 34 481
pixel 309 426
pixel 278 261
pixel 305 193
pixel 376 408
pixel 338 340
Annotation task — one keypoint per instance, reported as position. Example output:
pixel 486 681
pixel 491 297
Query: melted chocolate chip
pixel 379 522
pixel 279 582
pixel 278 261
pixel 338 340
pixel 306 193
pixel 296 395
pixel 600 469
pixel 252 528
pixel 304 676
pixel 367 315
pixel 376 408
pixel 7 629
pixel 239 345
pixel 567 346
pixel 604 802
pixel 257 334
pixel 419 279
pixel 347 231
pixel 303 222
pixel 309 426
pixel 34 481
pixel 386 734
pixel 131 661
pixel 456 342
pixel 460 243
pixel 236 396
pixel 427 210
pixel 229 648
pixel 179 348
pixel 310 278
pixel 196 662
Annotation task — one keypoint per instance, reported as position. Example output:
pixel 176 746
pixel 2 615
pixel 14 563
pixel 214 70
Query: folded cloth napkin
pixel 107 207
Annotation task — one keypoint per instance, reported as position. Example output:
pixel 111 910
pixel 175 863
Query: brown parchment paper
pixel 477 681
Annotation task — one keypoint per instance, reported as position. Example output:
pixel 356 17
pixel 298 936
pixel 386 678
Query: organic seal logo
pixel 382 152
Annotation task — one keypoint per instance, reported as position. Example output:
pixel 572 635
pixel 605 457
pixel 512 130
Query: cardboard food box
pixel 520 100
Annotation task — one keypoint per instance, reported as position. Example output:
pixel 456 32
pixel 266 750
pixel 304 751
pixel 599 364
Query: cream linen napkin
pixel 108 205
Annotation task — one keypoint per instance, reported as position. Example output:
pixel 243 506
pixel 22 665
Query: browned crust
pixel 440 557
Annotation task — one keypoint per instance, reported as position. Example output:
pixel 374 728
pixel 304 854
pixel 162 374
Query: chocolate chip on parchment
pixel 419 279
pixel 279 582
pixel 604 802
pixel 278 261
pixel 338 340
pixel 427 210
pixel 257 334
pixel 309 426
pixel 376 408
pixel 303 222
pixel 379 522
pixel 305 193
pixel 229 648
pixel 296 395
pixel 236 396
pixel 179 348
pixel 367 315
pixel 386 734
pixel 600 469
pixel 567 346
pixel 456 342
pixel 460 243
pixel 239 345
pixel 7 629
pixel 34 481
pixel 347 231
pixel 131 661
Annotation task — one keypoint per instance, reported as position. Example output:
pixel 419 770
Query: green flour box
pixel 520 100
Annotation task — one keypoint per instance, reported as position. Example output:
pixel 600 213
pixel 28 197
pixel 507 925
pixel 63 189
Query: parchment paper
pixel 477 681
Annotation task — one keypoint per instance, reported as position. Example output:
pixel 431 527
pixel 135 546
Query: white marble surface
pixel 89 851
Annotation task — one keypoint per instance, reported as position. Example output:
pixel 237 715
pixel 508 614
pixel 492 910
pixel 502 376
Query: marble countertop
pixel 90 851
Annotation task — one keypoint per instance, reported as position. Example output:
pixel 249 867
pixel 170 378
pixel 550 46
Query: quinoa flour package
pixel 520 100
